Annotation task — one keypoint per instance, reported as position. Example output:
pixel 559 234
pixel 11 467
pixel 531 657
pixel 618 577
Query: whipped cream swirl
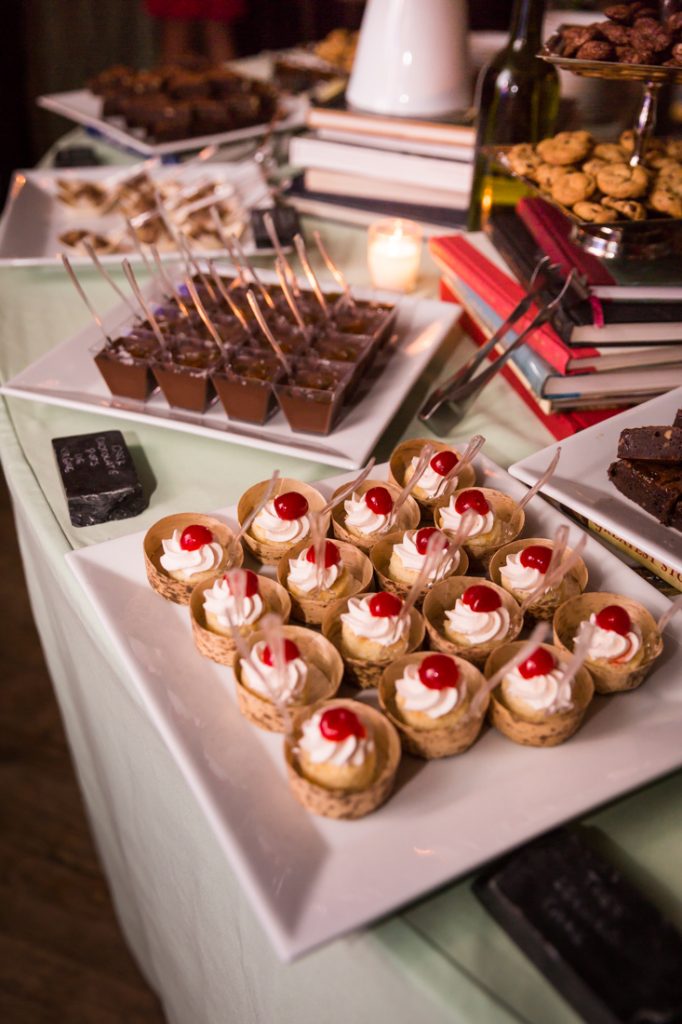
pixel 360 517
pixel 228 610
pixel 413 561
pixel 540 693
pixel 607 645
pixel 477 627
pixel 353 750
pixel 384 630
pixel 190 563
pixel 267 681
pixel 304 574
pixel 430 482
pixel 518 576
pixel 450 519
pixel 414 696
pixel 281 531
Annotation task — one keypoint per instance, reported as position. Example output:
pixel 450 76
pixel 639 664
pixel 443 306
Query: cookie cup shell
pixel 267 552
pixel 380 555
pixel 363 673
pixel 442 598
pixel 551 730
pixel 180 591
pixel 311 609
pixel 401 459
pixel 509 522
pixel 447 740
pixel 221 647
pixel 609 678
pixel 408 516
pixel 544 607
pixel 339 803
pixel 315 650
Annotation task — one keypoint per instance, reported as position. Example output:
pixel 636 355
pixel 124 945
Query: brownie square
pixel 655 487
pixel 660 444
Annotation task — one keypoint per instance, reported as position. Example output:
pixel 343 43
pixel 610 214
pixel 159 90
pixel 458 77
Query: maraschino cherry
pixel 291 505
pixel 421 541
pixel 536 556
pixel 194 537
pixel 379 500
pixel 438 672
pixel 481 598
pixel 615 619
pixel 384 605
pixel 332 555
pixel 444 462
pixel 290 650
pixel 539 663
pixel 337 724
pixel 471 499
pixel 250 586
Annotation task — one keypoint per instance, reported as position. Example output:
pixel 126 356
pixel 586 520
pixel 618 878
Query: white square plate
pixel 581 480
pixel 310 879
pixel 68 376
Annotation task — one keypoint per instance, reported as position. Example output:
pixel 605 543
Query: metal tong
pixel 448 403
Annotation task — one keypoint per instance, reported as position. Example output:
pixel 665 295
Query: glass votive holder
pixel 394 254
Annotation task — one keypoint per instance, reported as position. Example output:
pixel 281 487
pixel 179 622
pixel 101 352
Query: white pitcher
pixel 412 59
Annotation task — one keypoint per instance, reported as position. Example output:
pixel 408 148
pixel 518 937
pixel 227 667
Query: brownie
pixel 659 444
pixel 677 422
pixel 654 487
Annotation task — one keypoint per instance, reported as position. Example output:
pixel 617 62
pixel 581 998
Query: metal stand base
pixel 636 241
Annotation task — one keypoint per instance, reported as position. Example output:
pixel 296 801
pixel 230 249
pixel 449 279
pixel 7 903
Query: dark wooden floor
pixel 62 956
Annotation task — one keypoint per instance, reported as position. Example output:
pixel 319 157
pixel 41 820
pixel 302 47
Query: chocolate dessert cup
pixel 184 373
pixel 312 396
pixel 125 364
pixel 245 385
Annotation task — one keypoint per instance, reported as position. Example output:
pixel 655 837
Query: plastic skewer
pixel 108 278
pixel 267 297
pixel 173 294
pixel 539 484
pixel 468 455
pixel 132 281
pixel 277 245
pixel 229 301
pixel 201 310
pixel 536 637
pixel 558 548
pixel 675 607
pixel 190 261
pixel 434 551
pixel 317 535
pixel 138 245
pixel 289 296
pixel 580 651
pixel 310 274
pixel 88 305
pixel 273 631
pixel 267 495
pixel 552 579
pixel 425 457
pixel 333 269
pixel 349 488
pixel 260 319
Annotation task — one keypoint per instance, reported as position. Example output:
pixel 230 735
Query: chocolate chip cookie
pixel 623 181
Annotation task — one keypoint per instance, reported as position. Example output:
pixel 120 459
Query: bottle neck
pixel 526 24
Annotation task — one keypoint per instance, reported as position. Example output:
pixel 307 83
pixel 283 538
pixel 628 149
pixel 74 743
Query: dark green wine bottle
pixel 517 98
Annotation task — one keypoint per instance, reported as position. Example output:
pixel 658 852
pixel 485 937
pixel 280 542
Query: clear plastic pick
pixel 536 637
pixel 267 495
pixel 539 484
pixel 350 487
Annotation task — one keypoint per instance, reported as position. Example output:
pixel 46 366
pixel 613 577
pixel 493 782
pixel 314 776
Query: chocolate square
pixel 99 477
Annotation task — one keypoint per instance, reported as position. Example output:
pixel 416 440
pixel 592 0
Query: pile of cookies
pixel 634 34
pixel 595 179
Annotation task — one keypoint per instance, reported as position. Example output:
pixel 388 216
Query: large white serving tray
pixel 310 879
pixel 581 480
pixel 68 376
pixel 84 107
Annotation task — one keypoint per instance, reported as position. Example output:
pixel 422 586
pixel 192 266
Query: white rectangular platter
pixel 68 376
pixel 34 217
pixel 310 879
pixel 84 107
pixel 581 480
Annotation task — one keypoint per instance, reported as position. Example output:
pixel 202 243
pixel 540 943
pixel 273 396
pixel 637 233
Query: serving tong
pixel 448 403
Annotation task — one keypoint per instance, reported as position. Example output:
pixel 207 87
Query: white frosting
pixel 304 574
pixel 189 563
pixel 414 696
pixel 352 751
pixel 281 531
pixel 267 681
pixel 518 576
pixel 478 627
pixel 541 693
pixel 384 630
pixel 360 516
pixel 450 519
pixel 411 560
pixel 228 610
pixel 607 645
pixel 430 482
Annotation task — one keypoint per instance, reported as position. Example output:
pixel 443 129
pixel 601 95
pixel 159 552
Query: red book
pixel 503 293
pixel 552 232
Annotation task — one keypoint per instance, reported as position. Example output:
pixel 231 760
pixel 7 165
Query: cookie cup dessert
pixel 316 781
pixel 323 675
pixel 533 726
pixel 428 491
pixel 510 559
pixel 397 577
pixel 377 521
pixel 309 606
pixel 364 657
pixel 183 550
pixel 212 633
pixel 433 737
pixel 476 646
pixel 625 647
pixel 269 542
pixel 497 520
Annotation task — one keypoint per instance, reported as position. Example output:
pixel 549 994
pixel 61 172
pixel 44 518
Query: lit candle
pixel 394 253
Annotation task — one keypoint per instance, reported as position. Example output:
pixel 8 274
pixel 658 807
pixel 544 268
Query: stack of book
pixel 355 167
pixel 620 346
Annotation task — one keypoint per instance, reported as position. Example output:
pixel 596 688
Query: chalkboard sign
pixel 99 477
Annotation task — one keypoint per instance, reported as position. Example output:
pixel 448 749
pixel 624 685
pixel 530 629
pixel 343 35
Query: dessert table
pixel 182 911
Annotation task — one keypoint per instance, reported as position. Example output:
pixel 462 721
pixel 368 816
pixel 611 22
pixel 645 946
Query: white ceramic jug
pixel 412 59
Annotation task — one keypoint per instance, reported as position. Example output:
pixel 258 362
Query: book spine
pixel 551 231
pixel 660 569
